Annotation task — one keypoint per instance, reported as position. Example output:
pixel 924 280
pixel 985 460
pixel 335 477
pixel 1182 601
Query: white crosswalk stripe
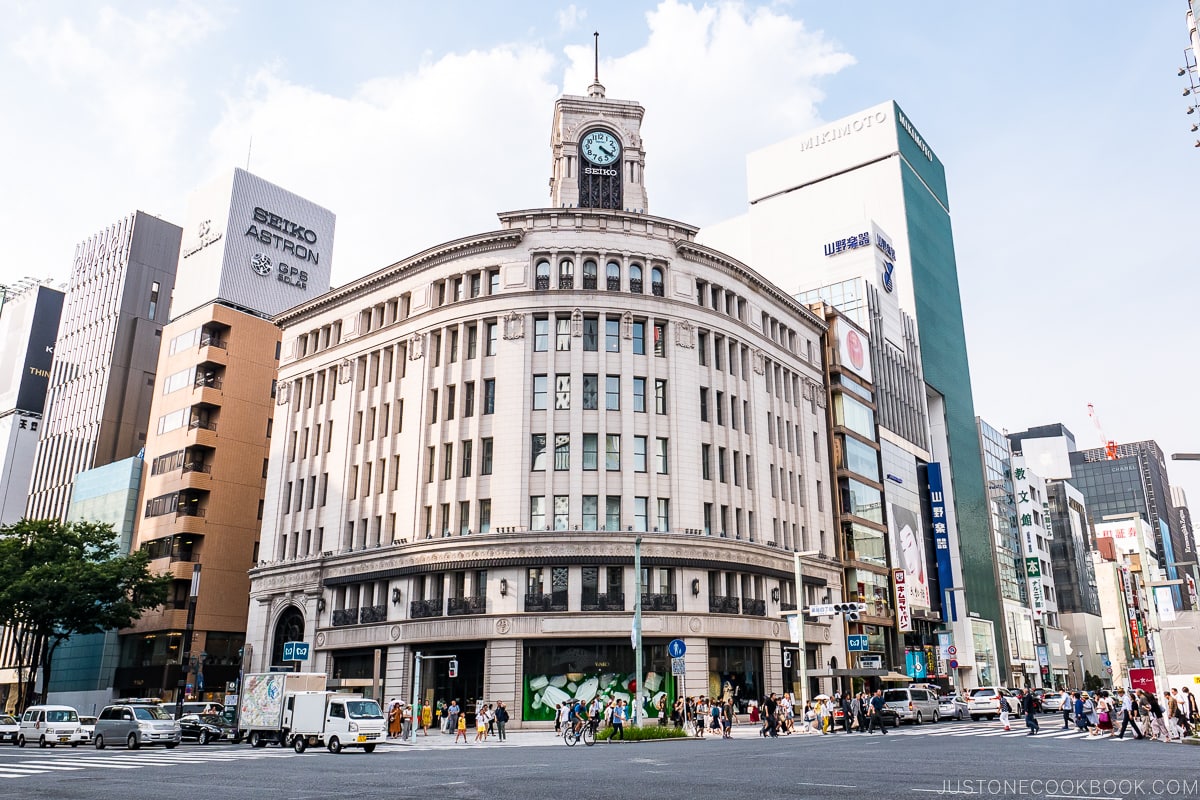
pixel 996 730
pixel 22 767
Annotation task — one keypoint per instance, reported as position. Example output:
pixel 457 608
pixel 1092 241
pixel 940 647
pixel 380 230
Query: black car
pixel 205 728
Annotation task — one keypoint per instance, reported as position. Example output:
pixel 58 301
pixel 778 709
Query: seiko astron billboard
pixel 252 244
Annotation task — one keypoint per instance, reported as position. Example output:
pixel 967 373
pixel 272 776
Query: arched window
pixel 566 274
pixel 289 628
pixel 614 276
pixel 635 278
pixel 656 282
pixel 542 275
pixel 589 274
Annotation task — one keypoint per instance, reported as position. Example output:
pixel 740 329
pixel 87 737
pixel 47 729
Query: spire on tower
pixel 596 90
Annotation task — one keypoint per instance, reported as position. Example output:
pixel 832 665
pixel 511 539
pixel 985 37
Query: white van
pixel 913 705
pixel 335 720
pixel 50 726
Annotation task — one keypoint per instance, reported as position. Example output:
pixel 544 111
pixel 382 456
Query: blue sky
pixel 1062 128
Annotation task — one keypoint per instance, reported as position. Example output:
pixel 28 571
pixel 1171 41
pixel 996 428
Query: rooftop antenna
pixel 596 90
pixel 249 148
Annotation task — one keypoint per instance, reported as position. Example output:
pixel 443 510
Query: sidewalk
pixel 520 738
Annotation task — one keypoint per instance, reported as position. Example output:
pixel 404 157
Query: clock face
pixel 600 148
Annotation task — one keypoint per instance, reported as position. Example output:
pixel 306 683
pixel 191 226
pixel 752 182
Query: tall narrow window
pixel 562 333
pixel 639 395
pixel 639 453
pixel 660 396
pixel 539 392
pixel 639 338
pixel 541 334
pixel 591 334
pixel 489 396
pixel 591 391
pixel 537 462
pixel 152 311
pixel 612 513
pixel 612 392
pixel 590 456
pixel 612 335
pixel 562 451
pixel 485 456
pixel 612 452
pixel 660 456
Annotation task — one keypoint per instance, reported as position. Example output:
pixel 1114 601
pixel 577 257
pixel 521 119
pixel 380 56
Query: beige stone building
pixel 469 442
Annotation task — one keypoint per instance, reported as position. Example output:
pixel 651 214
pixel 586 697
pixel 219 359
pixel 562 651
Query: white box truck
pixel 334 720
pixel 262 700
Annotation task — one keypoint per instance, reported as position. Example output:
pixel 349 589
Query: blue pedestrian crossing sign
pixel 296 651
pixel 857 643
pixel 676 648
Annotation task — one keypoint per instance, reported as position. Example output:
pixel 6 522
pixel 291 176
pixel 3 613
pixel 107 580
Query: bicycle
pixel 581 729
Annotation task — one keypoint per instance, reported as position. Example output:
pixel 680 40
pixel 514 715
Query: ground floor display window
pixel 566 671
pixel 735 673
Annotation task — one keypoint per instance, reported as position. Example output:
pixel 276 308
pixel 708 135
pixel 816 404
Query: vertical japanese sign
pixel 941 539
pixel 903 614
pixel 1033 569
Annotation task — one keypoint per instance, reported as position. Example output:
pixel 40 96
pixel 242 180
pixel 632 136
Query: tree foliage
pixel 60 579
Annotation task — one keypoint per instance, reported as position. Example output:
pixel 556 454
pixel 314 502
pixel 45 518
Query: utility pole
pixel 188 633
pixel 637 630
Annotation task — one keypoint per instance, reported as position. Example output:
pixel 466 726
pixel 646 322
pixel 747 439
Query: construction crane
pixel 1110 445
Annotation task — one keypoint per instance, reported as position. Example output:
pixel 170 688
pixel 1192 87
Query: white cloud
pixel 570 17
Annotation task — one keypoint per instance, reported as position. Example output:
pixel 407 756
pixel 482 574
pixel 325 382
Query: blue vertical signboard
pixel 941 540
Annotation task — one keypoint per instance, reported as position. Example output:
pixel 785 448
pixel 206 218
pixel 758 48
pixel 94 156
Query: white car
pixel 50 726
pixel 953 706
pixel 985 702
pixel 8 728
pixel 88 724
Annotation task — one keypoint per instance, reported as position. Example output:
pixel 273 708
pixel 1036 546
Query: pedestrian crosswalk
pixel 76 761
pixel 996 730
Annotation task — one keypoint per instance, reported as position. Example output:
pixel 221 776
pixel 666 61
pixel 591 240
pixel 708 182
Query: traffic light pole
pixel 416 690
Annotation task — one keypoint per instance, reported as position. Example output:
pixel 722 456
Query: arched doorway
pixel 289 628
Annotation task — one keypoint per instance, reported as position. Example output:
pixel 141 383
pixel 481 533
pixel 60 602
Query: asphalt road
pixel 960 758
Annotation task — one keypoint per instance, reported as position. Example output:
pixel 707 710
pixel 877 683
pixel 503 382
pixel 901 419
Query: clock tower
pixel 597 155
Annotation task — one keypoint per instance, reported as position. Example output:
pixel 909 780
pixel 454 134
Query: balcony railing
pixel 658 602
pixel 546 602
pixel 589 281
pixel 189 511
pixel 613 601
pixel 345 616
pixel 635 285
pixel 423 609
pixel 566 282
pixel 614 284
pixel 541 282
pixel 372 614
pixel 208 382
pixel 656 288
pixel 205 424
pixel 197 467
pixel 461 606
pixel 787 606
pixel 754 608
pixel 723 605
pixel 212 340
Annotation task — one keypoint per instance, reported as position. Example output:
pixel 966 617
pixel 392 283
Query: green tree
pixel 61 579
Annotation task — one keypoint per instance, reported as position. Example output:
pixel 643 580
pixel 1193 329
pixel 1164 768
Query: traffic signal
pixel 851 610
pixel 454 668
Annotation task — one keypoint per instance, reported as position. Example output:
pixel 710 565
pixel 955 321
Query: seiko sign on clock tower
pixel 598 156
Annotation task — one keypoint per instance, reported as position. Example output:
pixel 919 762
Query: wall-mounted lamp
pixel 396 596
pixel 320 604
pixel 504 587
pixel 775 595
pixel 695 587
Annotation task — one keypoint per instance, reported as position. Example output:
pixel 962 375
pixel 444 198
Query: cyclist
pixel 576 716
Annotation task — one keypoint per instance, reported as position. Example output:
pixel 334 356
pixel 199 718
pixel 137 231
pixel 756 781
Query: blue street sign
pixel 1107 663
pixel 296 651
pixel 857 643
pixel 676 648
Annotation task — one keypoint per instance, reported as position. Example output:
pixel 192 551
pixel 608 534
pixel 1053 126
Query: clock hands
pixel 606 151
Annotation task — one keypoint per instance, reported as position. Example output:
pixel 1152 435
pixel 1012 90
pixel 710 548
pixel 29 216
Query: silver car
pixel 953 706
pixel 134 725
pixel 913 705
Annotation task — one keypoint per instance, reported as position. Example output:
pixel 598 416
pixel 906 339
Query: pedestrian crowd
pixel 1168 717
pixel 491 720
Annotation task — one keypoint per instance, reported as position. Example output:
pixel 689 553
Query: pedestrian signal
pixel 454 668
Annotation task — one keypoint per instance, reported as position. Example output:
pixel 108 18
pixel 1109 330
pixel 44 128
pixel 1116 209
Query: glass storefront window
pixel 866 544
pixel 873 589
pixel 862 501
pixel 563 672
pixel 984 641
pixel 735 673
pixel 859 458
pixel 849 413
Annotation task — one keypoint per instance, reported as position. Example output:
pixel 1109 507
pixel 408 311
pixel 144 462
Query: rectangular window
pixel 660 339
pixel 721 464
pixel 539 392
pixel 720 404
pixel 612 452
pixel 447 461
pixel 660 456
pixel 472 341
pixel 591 512
pixel 562 333
pixel 639 338
pixel 537 461
pixel 708 519
pixel 737 468
pixel 640 513
pixel 733 412
pixel 639 395
pixel 706 461
pixel 591 391
pixel 485 456
pixel 704 404
pixel 485 516
pixel 612 335
pixel 451 392
pixel 431 454
pixel 464 517
pixel 562 392
pixel 562 509
pixel 155 288
pixel 639 453
pixel 541 334
pixel 663 522
pixel 612 392
pixel 493 281
pixel 591 334
pixel 489 396
pixel 469 399
pixel 433 405
pixel 452 346
pixel 537 513
pixel 590 444
pixel 702 347
pixel 466 458
pixel 660 396
pixel 492 330
pixel 562 451
pixel 612 513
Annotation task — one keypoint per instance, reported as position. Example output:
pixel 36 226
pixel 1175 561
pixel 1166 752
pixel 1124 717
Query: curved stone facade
pixel 467 443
